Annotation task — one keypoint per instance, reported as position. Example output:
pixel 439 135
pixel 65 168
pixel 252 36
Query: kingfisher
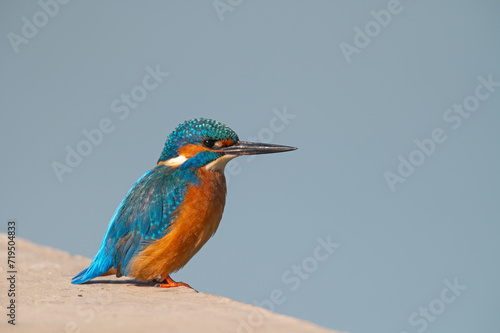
pixel 173 209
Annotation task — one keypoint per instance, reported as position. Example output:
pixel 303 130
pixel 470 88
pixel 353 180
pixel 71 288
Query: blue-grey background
pixel 351 122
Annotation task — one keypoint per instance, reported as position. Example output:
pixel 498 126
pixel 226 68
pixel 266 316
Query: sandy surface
pixel 47 302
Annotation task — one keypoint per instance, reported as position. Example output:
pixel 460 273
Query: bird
pixel 173 209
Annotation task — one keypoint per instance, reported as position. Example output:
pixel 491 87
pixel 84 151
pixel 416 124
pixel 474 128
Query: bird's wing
pixel 145 214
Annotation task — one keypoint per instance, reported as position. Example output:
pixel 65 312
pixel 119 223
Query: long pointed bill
pixel 253 148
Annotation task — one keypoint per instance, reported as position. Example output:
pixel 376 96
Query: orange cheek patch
pixel 191 150
pixel 227 142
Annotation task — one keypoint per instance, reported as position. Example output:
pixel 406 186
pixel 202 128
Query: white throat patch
pixel 219 164
pixel 175 161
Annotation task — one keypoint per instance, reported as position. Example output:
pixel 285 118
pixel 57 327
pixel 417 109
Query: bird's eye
pixel 209 143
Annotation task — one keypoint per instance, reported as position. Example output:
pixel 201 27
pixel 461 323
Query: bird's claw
pixel 171 283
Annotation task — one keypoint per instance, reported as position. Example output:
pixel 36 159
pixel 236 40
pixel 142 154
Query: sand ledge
pixel 47 302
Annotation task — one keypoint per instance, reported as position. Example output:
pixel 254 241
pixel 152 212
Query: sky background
pixel 351 92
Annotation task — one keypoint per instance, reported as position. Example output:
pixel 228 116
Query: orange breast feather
pixel 198 219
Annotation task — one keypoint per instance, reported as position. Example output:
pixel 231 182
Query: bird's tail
pixel 99 266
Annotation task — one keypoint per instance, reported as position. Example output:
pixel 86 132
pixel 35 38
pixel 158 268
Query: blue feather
pixel 143 217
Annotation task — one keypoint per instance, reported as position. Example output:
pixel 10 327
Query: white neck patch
pixel 220 163
pixel 175 161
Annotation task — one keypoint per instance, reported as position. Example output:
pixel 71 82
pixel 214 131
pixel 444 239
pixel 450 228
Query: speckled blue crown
pixel 194 132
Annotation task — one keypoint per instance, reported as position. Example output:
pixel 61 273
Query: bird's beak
pixel 253 148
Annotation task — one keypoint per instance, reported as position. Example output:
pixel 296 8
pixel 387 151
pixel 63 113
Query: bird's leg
pixel 171 283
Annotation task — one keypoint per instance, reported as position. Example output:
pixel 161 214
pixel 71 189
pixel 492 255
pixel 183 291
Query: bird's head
pixel 207 143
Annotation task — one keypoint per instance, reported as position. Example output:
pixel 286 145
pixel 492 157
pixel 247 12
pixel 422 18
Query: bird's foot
pixel 171 283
